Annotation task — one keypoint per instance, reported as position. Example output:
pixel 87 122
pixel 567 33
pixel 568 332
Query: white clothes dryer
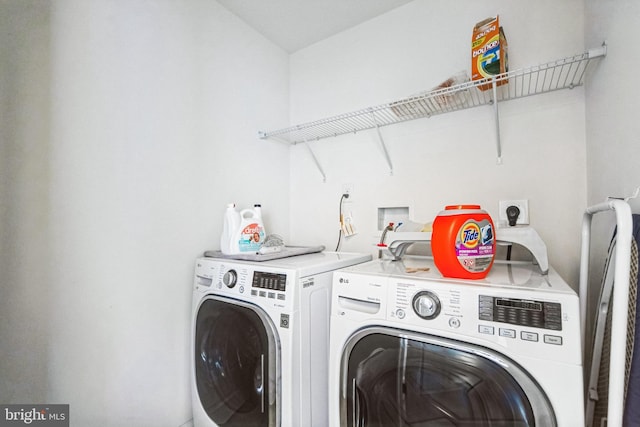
pixel 410 348
pixel 260 338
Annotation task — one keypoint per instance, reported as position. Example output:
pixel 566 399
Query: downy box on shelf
pixel 488 51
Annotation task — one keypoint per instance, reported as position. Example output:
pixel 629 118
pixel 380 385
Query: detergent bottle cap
pixel 458 207
pixel 461 210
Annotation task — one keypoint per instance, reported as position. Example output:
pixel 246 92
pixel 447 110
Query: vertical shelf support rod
pixel 315 160
pixel 494 88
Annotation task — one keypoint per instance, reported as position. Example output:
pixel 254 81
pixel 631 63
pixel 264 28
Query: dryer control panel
pixel 269 287
pixel 274 281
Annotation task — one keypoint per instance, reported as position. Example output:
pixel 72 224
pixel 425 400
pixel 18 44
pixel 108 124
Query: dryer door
pixel 398 378
pixel 236 363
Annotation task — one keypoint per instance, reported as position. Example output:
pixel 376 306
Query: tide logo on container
pixel 470 235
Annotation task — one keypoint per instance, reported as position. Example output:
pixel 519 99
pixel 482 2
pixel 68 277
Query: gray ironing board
pixel 597 390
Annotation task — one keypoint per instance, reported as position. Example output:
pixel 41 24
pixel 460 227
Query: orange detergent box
pixel 488 51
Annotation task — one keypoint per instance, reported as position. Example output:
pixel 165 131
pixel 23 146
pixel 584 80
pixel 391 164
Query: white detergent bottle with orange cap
pixel 229 229
pixel 250 234
pixel 463 242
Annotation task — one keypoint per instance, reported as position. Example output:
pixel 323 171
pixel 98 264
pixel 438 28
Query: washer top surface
pixel 503 274
pixel 308 264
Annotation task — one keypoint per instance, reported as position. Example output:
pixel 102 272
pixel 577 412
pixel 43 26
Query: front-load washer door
pixel 237 353
pixel 395 378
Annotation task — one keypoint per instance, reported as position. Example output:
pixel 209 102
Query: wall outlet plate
pixel 522 204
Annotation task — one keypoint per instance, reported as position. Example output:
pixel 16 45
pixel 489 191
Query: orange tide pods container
pixel 463 242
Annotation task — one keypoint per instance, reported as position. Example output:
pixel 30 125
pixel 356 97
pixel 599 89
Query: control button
pixel 281 297
pixel 484 329
pixel 241 289
pixel 508 333
pixel 426 305
pixel 529 336
pixel 230 278
pixel 454 322
pixel 553 339
pixel 262 293
pixel 271 295
pixel 400 314
pixel 254 292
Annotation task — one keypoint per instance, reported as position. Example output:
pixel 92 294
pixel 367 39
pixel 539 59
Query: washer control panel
pixel 521 312
pixel 524 321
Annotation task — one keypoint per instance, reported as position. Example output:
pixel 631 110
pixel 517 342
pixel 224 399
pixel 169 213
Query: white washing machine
pixel 260 339
pixel 410 348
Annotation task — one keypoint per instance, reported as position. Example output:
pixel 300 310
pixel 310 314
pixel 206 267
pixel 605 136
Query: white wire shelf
pixel 565 73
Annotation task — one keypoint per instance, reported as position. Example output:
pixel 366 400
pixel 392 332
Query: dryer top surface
pixel 304 265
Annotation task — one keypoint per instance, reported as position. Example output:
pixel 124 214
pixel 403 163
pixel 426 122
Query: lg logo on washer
pixel 343 280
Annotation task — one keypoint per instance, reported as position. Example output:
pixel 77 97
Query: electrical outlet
pixel 523 205
pixel 348 189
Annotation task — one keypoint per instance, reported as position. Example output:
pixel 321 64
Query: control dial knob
pixel 230 278
pixel 426 305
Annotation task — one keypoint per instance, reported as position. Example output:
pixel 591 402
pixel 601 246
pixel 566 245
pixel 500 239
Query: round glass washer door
pixel 395 378
pixel 236 361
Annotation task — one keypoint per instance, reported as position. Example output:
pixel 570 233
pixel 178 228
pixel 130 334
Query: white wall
pixel 24 207
pixel 154 108
pixel 447 159
pixel 613 148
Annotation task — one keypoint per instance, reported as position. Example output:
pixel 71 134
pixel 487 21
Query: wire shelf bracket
pixel 315 160
pixel 566 73
pixel 384 148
